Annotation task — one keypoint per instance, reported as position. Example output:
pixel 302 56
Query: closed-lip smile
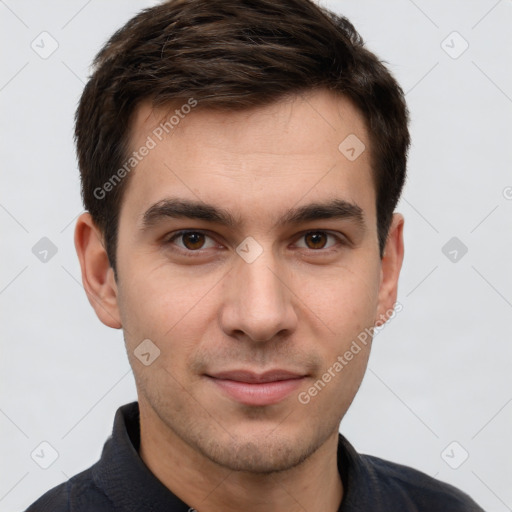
pixel 257 389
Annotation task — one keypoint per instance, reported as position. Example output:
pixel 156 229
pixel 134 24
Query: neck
pixel 315 484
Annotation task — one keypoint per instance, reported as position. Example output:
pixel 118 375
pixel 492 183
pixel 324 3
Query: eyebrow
pixel 185 208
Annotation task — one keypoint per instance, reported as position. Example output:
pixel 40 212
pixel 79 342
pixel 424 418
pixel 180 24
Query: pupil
pixel 193 240
pixel 317 240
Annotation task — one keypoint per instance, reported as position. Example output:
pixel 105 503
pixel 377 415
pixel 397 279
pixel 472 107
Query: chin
pixel 260 452
pixel 260 457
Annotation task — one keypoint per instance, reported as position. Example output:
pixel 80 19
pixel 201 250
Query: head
pixel 270 134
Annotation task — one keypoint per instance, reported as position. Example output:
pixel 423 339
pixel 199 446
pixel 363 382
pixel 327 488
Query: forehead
pixel 259 161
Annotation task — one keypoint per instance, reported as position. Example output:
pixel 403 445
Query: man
pixel 240 164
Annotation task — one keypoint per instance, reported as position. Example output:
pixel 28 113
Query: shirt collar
pixel 122 474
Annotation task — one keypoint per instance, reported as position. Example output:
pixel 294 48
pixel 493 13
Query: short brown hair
pixel 233 55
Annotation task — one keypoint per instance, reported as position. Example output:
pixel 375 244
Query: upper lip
pixel 256 378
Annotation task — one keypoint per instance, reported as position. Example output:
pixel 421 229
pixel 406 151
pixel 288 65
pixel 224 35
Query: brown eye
pixel 320 241
pixel 193 240
pixel 316 240
pixel 190 243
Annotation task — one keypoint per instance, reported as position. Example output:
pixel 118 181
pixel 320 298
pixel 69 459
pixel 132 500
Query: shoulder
pixel 78 494
pixel 417 489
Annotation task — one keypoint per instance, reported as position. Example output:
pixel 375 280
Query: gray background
pixel 439 372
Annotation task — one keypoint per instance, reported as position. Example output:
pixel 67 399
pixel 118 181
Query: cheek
pixel 171 309
pixel 345 299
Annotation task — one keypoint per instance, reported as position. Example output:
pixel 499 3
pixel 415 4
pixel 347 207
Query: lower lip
pixel 258 394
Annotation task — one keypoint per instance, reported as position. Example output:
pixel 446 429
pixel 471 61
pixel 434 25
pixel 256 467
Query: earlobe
pixel 391 265
pixel 97 274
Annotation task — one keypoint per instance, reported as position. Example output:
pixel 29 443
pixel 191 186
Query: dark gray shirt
pixel 121 482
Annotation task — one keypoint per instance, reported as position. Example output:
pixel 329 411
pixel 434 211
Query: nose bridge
pixel 262 284
pixel 259 302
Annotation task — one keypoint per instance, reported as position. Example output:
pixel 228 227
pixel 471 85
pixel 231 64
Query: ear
pixel 390 269
pixel 97 274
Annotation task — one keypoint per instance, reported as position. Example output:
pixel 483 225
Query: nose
pixel 258 302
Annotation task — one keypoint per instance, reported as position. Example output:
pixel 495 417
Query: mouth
pixel 257 389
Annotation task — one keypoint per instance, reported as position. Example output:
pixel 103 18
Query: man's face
pixel 249 316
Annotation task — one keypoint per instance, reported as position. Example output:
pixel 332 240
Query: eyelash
pixel 199 252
